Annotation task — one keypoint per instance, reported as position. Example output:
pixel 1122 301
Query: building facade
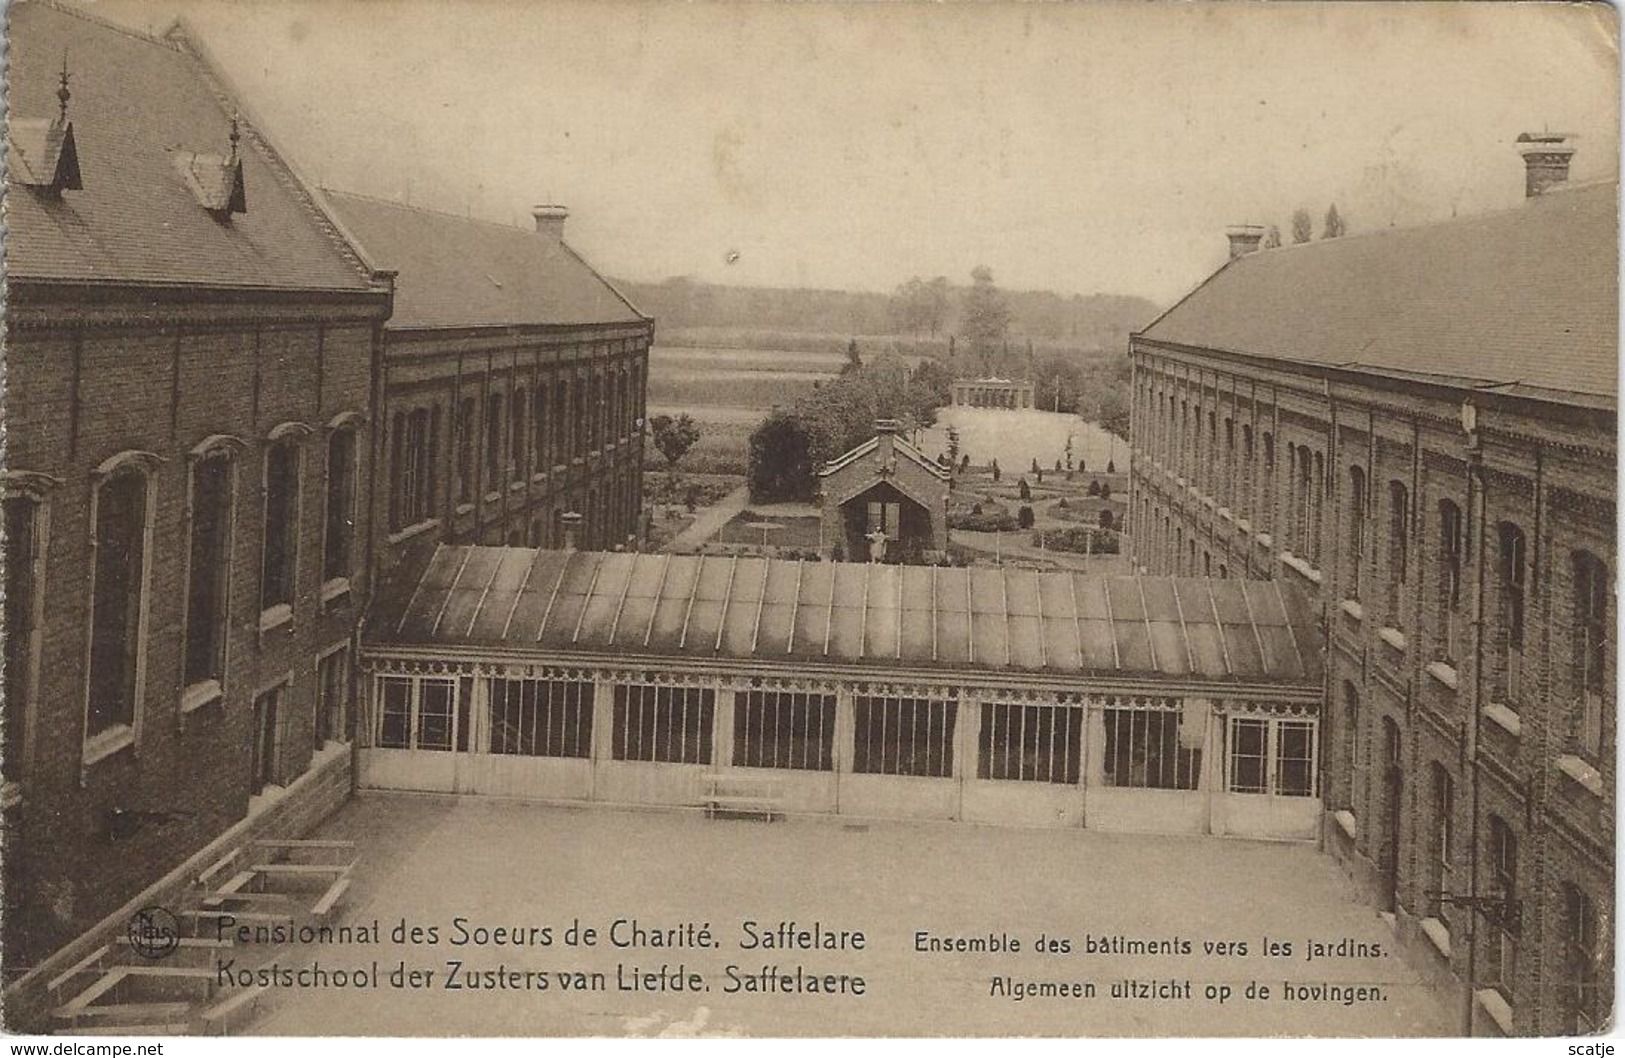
pixel 189 359
pixel 1417 428
pixel 884 501
pixel 512 385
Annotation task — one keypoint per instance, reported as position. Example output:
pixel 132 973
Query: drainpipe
pixel 1476 485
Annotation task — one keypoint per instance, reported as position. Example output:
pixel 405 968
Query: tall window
pixel 785 729
pixel 1591 627
pixel 1441 827
pixel 1317 507
pixel 1305 485
pixel 263 758
pixel 561 420
pixel 1510 564
pixel 538 429
pixel 519 462
pixel 22 551
pixel 1501 965
pixel 1398 547
pixel 1356 555
pixel 339 532
pixel 1451 546
pixel 467 485
pixel 903 736
pixel 1266 506
pixel 208 569
pixel 333 697
pixel 121 563
pixel 494 448
pixel 281 524
pixel 1246 497
pixel 578 417
pixel 1351 734
pixel 1583 975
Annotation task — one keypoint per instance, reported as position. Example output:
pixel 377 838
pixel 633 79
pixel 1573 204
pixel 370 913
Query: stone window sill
pixel 1266 540
pixel 1504 718
pixel 423 527
pixel 274 617
pixel 1353 608
pixel 517 486
pixel 1346 821
pixel 465 508
pixel 101 746
pixel 1439 934
pixel 539 477
pixel 335 588
pixel 1581 772
pixel 1302 568
pixel 493 496
pixel 11 796
pixel 1495 1005
pixel 1393 637
pixel 1445 674
pixel 267 797
pixel 200 694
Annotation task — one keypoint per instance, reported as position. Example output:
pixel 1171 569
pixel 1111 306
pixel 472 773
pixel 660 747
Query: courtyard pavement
pixel 428 861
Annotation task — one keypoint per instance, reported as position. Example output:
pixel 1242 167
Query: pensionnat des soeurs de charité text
pixel 788 957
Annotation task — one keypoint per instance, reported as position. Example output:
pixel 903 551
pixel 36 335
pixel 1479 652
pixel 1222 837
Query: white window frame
pixel 1272 754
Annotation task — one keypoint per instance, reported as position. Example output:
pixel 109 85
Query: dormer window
pixel 43 155
pixel 216 182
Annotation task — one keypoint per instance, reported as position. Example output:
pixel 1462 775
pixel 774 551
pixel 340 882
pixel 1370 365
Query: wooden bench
pixel 741 793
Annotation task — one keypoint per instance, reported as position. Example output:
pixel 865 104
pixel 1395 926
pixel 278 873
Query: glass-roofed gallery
pixel 866 690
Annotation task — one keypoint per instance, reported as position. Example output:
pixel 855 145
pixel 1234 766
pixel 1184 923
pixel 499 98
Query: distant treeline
pixel 1087 322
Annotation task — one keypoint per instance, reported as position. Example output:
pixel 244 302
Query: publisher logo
pixel 154 932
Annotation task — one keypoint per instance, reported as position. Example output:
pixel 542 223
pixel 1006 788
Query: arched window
pixel 1398 548
pixel 1356 536
pixel 1351 734
pixel 495 450
pixel 538 430
pixel 338 532
pixel 1245 500
pixel 1440 830
pixel 1590 637
pixel 1501 963
pixel 578 416
pixel 280 560
pixel 1317 507
pixel 414 445
pixel 1266 504
pixel 1451 548
pixel 467 473
pixel 208 571
pixel 1583 974
pixel 122 505
pixel 561 430
pixel 24 542
pixel 519 464
pixel 1511 563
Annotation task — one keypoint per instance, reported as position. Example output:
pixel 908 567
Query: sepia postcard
pixel 658 519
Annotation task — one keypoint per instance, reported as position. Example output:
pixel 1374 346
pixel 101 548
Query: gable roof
pixel 461 272
pixel 138 104
pixel 1527 298
pixel 846 613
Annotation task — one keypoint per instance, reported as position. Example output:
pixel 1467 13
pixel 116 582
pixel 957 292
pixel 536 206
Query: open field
pixel 427 861
pixel 698 378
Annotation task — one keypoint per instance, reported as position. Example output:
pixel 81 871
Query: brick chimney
pixel 1244 239
pixel 550 221
pixel 1546 158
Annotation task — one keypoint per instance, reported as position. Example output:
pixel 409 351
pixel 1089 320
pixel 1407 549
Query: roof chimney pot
pixel 1244 239
pixel 550 220
pixel 1546 157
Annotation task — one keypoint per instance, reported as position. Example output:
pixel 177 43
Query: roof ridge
pixel 76 11
pixel 431 211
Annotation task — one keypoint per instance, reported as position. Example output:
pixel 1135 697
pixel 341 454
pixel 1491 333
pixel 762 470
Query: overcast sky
pixel 1096 148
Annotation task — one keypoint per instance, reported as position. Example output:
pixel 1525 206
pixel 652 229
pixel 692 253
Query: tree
pixel 854 359
pixel 985 316
pixel 1302 226
pixel 996 469
pixel 674 437
pixel 1272 237
pixel 1024 490
pixel 1333 225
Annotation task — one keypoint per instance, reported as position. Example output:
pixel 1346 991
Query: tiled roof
pixel 137 104
pixel 460 272
pixel 895 617
pixel 1527 298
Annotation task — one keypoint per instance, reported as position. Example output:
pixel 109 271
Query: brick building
pixel 512 389
pixel 188 471
pixel 1418 428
